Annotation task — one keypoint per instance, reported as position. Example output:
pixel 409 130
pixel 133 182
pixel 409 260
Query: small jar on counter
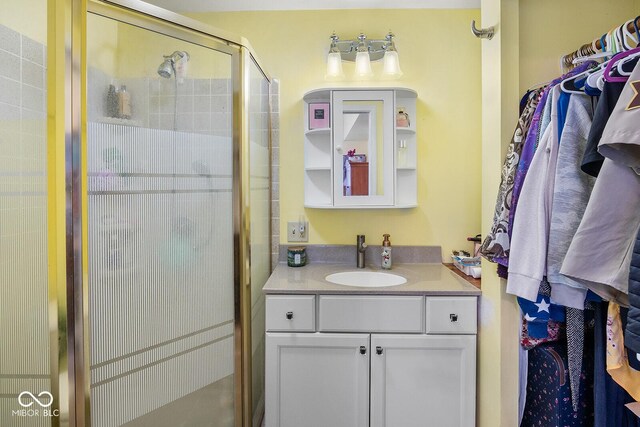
pixel 296 256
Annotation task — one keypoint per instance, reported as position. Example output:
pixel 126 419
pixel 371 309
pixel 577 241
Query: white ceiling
pixel 246 5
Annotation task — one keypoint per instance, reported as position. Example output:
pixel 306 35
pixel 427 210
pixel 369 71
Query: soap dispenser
pixel 386 252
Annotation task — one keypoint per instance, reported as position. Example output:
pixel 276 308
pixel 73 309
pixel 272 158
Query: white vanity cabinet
pixel 317 380
pixel 423 380
pixel 355 154
pixel 371 360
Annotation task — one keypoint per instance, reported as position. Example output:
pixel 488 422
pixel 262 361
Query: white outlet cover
pixel 293 231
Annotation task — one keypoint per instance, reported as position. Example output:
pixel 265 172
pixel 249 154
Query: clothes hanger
pixel 621 63
pixel 617 43
pixel 571 85
pixel 628 35
pixel 607 72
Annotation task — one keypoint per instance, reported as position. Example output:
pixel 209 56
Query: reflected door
pixel 160 229
pixel 363 148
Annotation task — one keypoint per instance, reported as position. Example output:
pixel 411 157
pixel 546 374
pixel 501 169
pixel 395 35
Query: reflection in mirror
pixel 362 161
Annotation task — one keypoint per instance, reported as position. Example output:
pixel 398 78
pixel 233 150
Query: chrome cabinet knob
pixel 363 349
pixel 378 350
pixel 453 317
pixel 289 315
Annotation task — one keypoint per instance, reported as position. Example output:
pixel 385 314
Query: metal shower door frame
pixel 70 359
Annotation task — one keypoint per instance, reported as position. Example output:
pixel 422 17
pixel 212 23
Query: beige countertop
pixel 422 279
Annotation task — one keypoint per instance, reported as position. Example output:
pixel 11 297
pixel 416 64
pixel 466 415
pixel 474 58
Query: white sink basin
pixel 366 279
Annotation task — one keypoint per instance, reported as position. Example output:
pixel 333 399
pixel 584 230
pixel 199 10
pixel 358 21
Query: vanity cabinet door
pixel 317 380
pixel 419 380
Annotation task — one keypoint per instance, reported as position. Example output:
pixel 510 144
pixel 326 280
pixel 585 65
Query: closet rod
pixel 588 49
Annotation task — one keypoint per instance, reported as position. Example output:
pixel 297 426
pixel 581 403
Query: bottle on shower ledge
pixel 386 252
pixel 112 101
pixel 124 103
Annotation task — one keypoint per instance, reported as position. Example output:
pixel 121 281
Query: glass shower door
pixel 260 202
pixel 160 229
pixel 26 392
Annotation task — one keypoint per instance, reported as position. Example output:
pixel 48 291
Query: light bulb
pixel 391 64
pixel 363 65
pixel 334 67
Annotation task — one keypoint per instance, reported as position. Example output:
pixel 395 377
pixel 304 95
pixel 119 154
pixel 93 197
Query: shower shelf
pixel 117 121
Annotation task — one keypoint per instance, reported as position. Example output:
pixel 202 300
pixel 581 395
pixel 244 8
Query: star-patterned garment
pixel 537 315
pixel 635 102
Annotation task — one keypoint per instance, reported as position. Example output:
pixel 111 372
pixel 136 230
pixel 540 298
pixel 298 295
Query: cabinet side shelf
pixel 320 131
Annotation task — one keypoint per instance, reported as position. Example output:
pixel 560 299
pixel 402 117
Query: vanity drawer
pixel 451 315
pixel 291 313
pixel 371 313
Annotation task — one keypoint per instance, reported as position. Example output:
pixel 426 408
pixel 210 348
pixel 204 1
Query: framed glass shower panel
pixel 260 236
pixel 160 229
pixel 25 361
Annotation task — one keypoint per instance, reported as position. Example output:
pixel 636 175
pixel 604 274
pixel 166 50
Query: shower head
pixel 165 70
pixel 168 66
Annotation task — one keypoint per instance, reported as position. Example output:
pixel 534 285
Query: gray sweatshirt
pixel 570 197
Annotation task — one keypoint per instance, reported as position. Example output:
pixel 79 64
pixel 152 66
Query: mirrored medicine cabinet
pixel 360 148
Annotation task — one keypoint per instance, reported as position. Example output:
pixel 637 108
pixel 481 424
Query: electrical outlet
pixel 297 231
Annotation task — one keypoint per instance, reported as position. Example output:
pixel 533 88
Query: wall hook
pixel 482 33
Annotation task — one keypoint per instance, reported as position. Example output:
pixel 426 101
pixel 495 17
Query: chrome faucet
pixel 360 248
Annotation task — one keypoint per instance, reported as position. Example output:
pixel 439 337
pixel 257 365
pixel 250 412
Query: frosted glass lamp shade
pixel 334 66
pixel 363 65
pixel 391 64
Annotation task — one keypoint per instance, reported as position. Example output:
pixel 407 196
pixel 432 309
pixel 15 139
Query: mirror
pixel 362 158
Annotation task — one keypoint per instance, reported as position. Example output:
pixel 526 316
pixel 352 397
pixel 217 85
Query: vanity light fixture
pixel 363 51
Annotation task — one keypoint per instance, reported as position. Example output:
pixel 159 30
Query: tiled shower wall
pixel 203 105
pixel 24 328
pixel 275 171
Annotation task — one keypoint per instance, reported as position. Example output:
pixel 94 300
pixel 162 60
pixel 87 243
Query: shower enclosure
pixel 137 241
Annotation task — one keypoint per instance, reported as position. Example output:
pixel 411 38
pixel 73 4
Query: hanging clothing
pixel 592 159
pixel 527 261
pixel 548 392
pixel 621 137
pixel 632 331
pixel 538 315
pixel 496 242
pixel 539 123
pixel 617 362
pixel 600 253
pixel 609 397
pixel 570 197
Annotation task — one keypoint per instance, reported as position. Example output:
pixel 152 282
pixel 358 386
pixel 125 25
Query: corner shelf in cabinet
pixel 406 131
pixel 321 131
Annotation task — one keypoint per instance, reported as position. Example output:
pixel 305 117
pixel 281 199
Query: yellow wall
pixel 499 320
pixel 440 60
pixel 29 17
pixel 563 32
pixel 102 44
pixel 124 51
pixel 140 52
